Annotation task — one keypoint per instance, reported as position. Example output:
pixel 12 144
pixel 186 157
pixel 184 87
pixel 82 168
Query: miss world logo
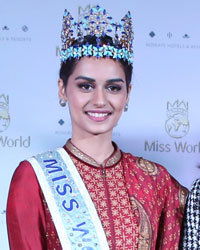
pixel 177 124
pixel 4 113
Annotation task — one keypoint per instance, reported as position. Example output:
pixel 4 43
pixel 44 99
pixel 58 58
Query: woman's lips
pixel 98 116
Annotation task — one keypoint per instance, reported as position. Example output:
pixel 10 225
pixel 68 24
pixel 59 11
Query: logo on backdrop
pixel 169 35
pixel 15 33
pixel 25 28
pixel 177 127
pixel 186 36
pixel 177 124
pixel 6 141
pixel 5 28
pixel 64 127
pixel 83 11
pixel 152 34
pixel 4 113
pixel 172 40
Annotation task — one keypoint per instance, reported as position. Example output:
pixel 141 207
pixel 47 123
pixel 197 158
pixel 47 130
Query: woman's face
pixel 96 93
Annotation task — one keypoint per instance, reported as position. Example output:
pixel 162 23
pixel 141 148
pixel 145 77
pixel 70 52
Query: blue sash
pixel 72 210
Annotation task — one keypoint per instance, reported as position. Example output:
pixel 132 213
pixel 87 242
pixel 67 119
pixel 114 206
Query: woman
pixel 89 194
pixel 191 238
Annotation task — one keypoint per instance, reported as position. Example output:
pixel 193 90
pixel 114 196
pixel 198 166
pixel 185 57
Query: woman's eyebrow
pixel 85 78
pixel 115 80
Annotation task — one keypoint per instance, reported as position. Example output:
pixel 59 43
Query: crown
pixel 177 107
pixel 97 23
pixel 4 101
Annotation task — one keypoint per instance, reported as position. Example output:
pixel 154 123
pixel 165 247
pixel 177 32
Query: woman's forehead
pixel 98 67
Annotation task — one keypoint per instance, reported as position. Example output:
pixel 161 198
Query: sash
pixel 72 210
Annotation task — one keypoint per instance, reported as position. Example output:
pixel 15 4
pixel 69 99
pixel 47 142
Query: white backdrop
pixel 162 123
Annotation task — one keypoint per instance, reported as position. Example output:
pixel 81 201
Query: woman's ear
pixel 129 91
pixel 62 90
pixel 127 99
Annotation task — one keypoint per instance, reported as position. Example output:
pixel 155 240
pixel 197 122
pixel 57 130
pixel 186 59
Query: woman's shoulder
pixel 24 170
pixel 144 165
pixel 24 178
pixel 156 174
pixel 149 168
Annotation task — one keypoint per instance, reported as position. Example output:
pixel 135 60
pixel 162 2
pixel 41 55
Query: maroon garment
pixel 28 218
pixel 139 204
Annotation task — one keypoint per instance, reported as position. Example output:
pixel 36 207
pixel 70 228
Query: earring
pixel 62 103
pixel 126 107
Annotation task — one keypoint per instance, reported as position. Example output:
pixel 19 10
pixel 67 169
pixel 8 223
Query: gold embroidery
pixel 115 157
pixel 145 230
pixel 147 166
pixel 182 197
pixel 75 151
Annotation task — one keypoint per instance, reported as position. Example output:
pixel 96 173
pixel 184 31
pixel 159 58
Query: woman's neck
pixel 98 147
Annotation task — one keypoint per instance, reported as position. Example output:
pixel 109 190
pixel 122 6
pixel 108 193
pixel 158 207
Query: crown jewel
pixel 97 23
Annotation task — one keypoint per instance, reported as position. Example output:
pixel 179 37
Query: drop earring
pixel 126 107
pixel 62 103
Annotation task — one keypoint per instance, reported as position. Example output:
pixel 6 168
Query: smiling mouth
pixel 97 115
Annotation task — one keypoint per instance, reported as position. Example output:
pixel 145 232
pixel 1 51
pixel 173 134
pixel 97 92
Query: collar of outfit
pixel 111 161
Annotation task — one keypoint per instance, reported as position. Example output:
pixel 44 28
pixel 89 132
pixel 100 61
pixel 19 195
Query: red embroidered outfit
pixel 139 204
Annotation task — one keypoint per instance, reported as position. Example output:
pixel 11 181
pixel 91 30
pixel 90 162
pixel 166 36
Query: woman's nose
pixel 99 97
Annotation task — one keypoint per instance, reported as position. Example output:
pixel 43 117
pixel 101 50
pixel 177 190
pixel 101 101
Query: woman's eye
pixel 85 86
pixel 114 88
